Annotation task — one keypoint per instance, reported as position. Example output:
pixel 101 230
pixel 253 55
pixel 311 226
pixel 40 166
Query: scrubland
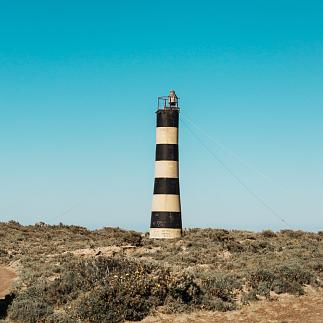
pixel 71 274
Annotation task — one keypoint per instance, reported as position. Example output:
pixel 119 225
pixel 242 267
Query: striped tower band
pixel 166 207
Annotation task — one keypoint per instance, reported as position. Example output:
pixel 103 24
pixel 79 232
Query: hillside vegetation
pixel 71 274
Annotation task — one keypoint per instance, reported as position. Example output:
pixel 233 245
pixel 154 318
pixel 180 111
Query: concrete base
pixel 159 233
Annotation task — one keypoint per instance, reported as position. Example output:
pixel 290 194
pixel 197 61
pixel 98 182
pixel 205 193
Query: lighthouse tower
pixel 166 221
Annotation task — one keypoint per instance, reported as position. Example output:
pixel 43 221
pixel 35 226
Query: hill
pixel 71 274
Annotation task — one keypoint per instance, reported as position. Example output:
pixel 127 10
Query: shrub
pixel 268 234
pixel 183 287
pixel 293 234
pixel 246 298
pixel 220 291
pixel 291 279
pixel 118 301
pixel 234 246
pixel 282 279
pixel 29 310
pixel 132 294
pixel 261 276
pixel 59 318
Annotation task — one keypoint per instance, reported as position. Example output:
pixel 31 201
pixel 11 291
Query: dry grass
pixel 285 308
pixel 71 274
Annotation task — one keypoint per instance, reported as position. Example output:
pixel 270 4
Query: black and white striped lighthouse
pixel 166 221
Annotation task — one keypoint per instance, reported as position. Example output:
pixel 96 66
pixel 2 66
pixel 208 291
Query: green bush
pixel 220 291
pixel 182 286
pixel 282 279
pixel 268 234
pixel 132 290
pixel 29 310
pixel 114 303
pixel 59 318
pixel 246 298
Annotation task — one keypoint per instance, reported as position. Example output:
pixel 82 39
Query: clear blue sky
pixel 78 88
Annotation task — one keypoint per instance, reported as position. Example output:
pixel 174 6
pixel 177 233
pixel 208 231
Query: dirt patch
pixel 287 308
pixel 7 277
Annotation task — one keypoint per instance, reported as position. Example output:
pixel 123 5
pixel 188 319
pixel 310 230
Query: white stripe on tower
pixel 166 203
pixel 166 135
pixel 166 168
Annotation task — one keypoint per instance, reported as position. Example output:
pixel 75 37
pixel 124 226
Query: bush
pixel 132 294
pixel 115 303
pixel 29 310
pixel 246 298
pixel 220 291
pixel 282 279
pixel 181 286
pixel 268 234
pixel 105 290
pixel 293 234
pixel 59 318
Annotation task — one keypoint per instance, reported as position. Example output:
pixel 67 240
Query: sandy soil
pixel 7 277
pixel 287 308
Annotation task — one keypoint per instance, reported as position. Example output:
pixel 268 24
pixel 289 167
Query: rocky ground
pixel 71 274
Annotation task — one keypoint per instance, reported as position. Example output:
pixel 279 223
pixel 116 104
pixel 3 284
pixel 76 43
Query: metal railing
pixel 164 103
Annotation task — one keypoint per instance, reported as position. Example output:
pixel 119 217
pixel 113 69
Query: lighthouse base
pixel 163 233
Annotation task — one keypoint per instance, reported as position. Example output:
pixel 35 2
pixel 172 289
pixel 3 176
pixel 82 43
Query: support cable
pixel 249 190
pixel 233 154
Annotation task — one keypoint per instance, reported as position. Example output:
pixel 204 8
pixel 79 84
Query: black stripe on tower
pixel 166 186
pixel 167 152
pixel 167 118
pixel 171 220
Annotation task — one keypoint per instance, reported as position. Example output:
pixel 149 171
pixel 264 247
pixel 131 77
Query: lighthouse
pixel 166 221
